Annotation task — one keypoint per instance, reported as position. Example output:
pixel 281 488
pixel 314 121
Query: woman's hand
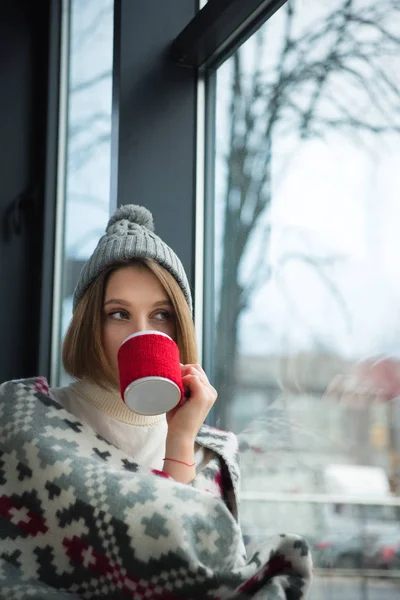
pixel 185 421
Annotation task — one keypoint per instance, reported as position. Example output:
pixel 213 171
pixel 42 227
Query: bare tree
pixel 332 76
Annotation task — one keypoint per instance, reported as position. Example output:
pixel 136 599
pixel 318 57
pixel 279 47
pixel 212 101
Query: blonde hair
pixel 83 353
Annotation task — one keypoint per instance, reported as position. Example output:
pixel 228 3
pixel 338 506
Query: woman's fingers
pixel 199 388
pixel 194 369
pixel 187 418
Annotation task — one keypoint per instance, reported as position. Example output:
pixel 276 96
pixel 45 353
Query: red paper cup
pixel 150 373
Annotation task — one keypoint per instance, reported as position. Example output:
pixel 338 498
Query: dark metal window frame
pixel 156 139
pixel 50 192
pixel 218 29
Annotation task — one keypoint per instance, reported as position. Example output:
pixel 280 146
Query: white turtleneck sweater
pixel 141 437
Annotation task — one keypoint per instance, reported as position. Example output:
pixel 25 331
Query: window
pixel 88 144
pixel 307 286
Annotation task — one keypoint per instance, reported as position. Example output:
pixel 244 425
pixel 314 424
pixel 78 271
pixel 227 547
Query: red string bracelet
pixel 180 462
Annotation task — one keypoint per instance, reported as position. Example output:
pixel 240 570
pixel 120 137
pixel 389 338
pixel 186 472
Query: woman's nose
pixel 140 324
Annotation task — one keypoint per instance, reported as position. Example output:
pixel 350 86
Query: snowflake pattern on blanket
pixel 80 519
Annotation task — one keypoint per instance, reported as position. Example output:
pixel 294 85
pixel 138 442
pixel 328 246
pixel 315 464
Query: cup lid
pixel 152 396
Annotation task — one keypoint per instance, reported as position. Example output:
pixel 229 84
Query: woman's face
pixel 134 300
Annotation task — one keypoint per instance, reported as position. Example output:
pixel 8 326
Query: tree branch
pixel 90 83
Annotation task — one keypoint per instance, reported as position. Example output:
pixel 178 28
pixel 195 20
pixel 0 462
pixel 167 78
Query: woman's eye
pixel 118 315
pixel 162 315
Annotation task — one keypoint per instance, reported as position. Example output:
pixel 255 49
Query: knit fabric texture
pixel 81 519
pixel 130 235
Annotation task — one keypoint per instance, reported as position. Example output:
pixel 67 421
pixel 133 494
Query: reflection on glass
pixel 89 138
pixel 307 290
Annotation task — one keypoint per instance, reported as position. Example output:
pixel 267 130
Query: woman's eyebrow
pixel 165 302
pixel 117 301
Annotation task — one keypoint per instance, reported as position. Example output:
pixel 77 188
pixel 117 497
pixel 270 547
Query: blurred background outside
pixel 307 287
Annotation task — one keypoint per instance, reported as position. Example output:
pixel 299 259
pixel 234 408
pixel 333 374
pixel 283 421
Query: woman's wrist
pixel 180 454
pixel 179 448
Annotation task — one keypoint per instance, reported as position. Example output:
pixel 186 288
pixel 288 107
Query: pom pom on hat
pixel 133 213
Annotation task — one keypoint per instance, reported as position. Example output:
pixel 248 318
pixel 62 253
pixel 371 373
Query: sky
pixel 331 197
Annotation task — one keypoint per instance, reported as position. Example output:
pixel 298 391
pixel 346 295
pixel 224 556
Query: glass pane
pixel 307 286
pixel 89 139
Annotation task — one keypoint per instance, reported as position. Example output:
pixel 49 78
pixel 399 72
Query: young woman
pixel 98 501
pixel 134 282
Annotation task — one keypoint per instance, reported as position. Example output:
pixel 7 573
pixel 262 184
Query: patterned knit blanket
pixel 80 519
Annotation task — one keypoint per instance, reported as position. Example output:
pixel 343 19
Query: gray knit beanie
pixel 129 235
